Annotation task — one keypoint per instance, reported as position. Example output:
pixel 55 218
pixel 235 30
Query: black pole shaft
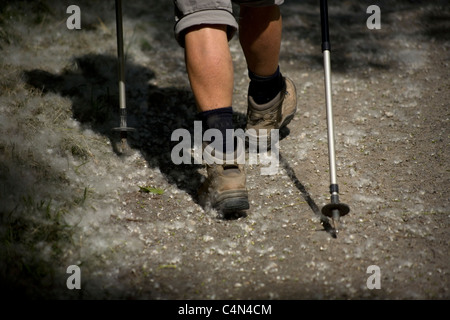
pixel 324 25
pixel 119 31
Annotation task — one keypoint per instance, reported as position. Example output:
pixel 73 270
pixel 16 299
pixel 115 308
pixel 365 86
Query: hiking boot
pixel 275 114
pixel 225 187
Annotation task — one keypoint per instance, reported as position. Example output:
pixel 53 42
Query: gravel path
pixel 133 223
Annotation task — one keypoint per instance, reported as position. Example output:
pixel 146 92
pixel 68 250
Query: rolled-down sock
pixel 221 119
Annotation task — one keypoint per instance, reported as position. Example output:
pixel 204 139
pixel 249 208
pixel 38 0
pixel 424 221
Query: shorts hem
pixel 213 16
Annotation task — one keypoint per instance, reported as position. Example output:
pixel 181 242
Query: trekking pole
pixel 123 129
pixel 335 209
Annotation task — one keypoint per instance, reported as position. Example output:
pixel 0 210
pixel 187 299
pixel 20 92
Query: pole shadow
pixel 307 197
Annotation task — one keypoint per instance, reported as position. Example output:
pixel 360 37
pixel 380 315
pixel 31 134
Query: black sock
pixel 221 119
pixel 264 89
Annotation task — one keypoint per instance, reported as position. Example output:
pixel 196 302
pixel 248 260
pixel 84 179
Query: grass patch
pixel 149 189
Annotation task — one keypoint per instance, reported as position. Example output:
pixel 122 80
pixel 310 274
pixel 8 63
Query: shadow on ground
pixel 155 112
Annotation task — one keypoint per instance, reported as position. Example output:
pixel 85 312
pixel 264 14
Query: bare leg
pixel 210 71
pixel 260 38
pixel 209 66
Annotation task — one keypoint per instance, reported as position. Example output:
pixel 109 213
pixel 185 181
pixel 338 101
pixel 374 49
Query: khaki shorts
pixel 189 13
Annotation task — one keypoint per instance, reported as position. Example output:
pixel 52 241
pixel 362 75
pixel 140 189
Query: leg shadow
pixel 155 112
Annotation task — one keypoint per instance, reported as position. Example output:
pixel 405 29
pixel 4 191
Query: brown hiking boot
pixel 225 187
pixel 275 114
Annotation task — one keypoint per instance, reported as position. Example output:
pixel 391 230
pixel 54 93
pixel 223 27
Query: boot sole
pixel 232 201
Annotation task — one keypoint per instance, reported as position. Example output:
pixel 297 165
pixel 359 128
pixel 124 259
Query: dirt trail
pixel 68 199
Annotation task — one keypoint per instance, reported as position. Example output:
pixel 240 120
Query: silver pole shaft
pixel 119 30
pixel 330 124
